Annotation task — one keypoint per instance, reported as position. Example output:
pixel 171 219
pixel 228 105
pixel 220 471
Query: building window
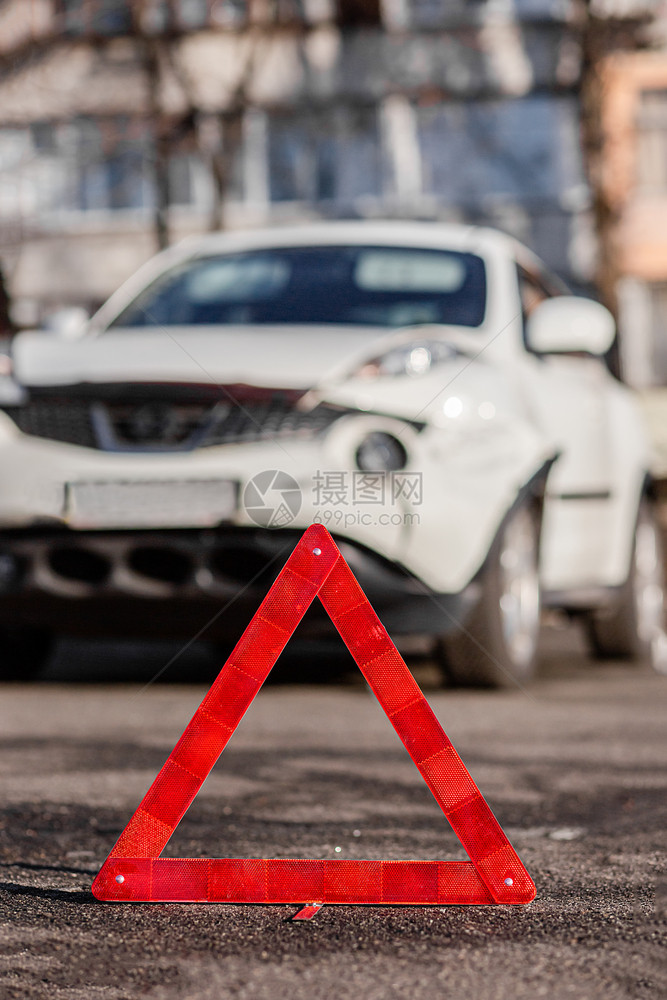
pixel 157 16
pixel 432 13
pixel 92 165
pixel 332 156
pixel 651 172
pixel 97 17
pixel 229 13
pixel 193 13
pixel 109 165
pixel 523 149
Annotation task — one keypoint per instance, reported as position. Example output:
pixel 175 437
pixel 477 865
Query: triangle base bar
pixel 261 880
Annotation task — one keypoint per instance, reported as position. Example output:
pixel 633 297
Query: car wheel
pixel 23 653
pixel 498 644
pixel 632 626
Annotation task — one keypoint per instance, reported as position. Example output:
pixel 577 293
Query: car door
pixel 568 396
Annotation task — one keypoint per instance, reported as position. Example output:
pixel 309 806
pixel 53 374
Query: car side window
pixel 534 288
pixel 532 291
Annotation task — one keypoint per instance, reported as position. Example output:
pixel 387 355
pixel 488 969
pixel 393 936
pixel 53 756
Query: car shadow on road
pixel 85 661
pixel 304 661
pixel 563 656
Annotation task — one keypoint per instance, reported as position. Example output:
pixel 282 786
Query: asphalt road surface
pixel 574 768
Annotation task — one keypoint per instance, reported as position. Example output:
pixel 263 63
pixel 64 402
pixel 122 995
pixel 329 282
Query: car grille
pixel 69 422
pixel 162 426
pixel 267 421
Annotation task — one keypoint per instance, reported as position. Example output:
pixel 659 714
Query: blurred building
pixel 124 125
pixel 119 120
pixel 634 187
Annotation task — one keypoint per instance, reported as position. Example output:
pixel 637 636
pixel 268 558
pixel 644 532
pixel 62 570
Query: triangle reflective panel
pixel 134 871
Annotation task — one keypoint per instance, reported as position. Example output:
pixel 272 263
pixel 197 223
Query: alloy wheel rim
pixel 519 589
pixel 649 587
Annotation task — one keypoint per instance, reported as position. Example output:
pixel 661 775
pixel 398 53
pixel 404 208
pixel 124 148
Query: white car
pixel 428 392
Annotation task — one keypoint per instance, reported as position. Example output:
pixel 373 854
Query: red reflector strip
pixel 133 870
pixel 234 880
pixel 308 912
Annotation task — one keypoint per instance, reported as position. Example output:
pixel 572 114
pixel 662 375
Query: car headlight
pixel 415 358
pixel 381 452
pixel 11 394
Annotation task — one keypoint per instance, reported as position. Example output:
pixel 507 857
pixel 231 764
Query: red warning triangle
pixel 135 872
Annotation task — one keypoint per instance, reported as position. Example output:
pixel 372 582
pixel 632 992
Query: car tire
pixel 632 625
pixel 23 653
pixel 497 647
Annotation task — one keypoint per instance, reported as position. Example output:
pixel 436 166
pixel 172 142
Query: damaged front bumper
pixel 175 583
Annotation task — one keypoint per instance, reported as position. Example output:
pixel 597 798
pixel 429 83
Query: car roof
pixel 454 236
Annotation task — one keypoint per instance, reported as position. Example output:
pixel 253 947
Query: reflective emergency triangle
pixel 135 872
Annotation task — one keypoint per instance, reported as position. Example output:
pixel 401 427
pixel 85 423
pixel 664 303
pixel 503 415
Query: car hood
pixel 263 356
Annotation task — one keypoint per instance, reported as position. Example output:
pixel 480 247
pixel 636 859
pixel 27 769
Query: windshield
pixel 360 286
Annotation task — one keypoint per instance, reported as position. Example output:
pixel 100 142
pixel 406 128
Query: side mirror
pixel 68 323
pixel 568 324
